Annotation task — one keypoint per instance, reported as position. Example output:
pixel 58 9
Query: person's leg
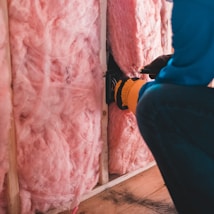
pixel 177 123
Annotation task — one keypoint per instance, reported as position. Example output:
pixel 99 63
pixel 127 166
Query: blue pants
pixel 177 123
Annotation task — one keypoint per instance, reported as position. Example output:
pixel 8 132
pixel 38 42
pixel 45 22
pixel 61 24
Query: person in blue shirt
pixel 175 112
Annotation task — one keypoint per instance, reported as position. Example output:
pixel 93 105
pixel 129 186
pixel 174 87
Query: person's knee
pixel 149 102
pixel 155 97
pixel 146 108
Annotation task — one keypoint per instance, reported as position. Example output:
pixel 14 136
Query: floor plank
pixel 144 193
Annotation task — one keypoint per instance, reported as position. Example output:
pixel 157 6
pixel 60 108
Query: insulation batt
pixel 5 109
pixel 128 151
pixel 58 86
pixel 138 32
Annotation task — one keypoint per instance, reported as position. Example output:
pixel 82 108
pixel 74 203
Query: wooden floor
pixel 144 193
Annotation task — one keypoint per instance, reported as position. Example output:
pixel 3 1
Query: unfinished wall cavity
pixel 57 90
pixel 138 32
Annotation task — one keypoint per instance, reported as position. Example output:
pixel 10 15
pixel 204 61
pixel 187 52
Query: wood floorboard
pixel 144 193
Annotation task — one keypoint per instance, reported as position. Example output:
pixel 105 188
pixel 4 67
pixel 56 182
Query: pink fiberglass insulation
pixel 5 109
pixel 128 151
pixel 138 32
pixel 55 48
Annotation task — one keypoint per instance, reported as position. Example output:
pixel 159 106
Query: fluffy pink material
pixel 58 88
pixel 138 32
pixel 5 109
pixel 128 150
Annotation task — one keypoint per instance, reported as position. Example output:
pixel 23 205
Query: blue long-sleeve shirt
pixel 192 62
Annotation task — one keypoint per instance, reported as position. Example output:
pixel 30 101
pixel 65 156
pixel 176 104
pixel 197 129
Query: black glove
pixel 156 65
pixel 113 75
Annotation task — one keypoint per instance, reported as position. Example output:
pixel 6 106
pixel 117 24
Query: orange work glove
pixel 126 93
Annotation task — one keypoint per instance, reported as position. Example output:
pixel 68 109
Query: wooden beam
pixel 104 174
pixel 12 177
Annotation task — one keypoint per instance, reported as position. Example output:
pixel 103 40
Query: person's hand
pixel 126 93
pixel 156 65
pixel 121 92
